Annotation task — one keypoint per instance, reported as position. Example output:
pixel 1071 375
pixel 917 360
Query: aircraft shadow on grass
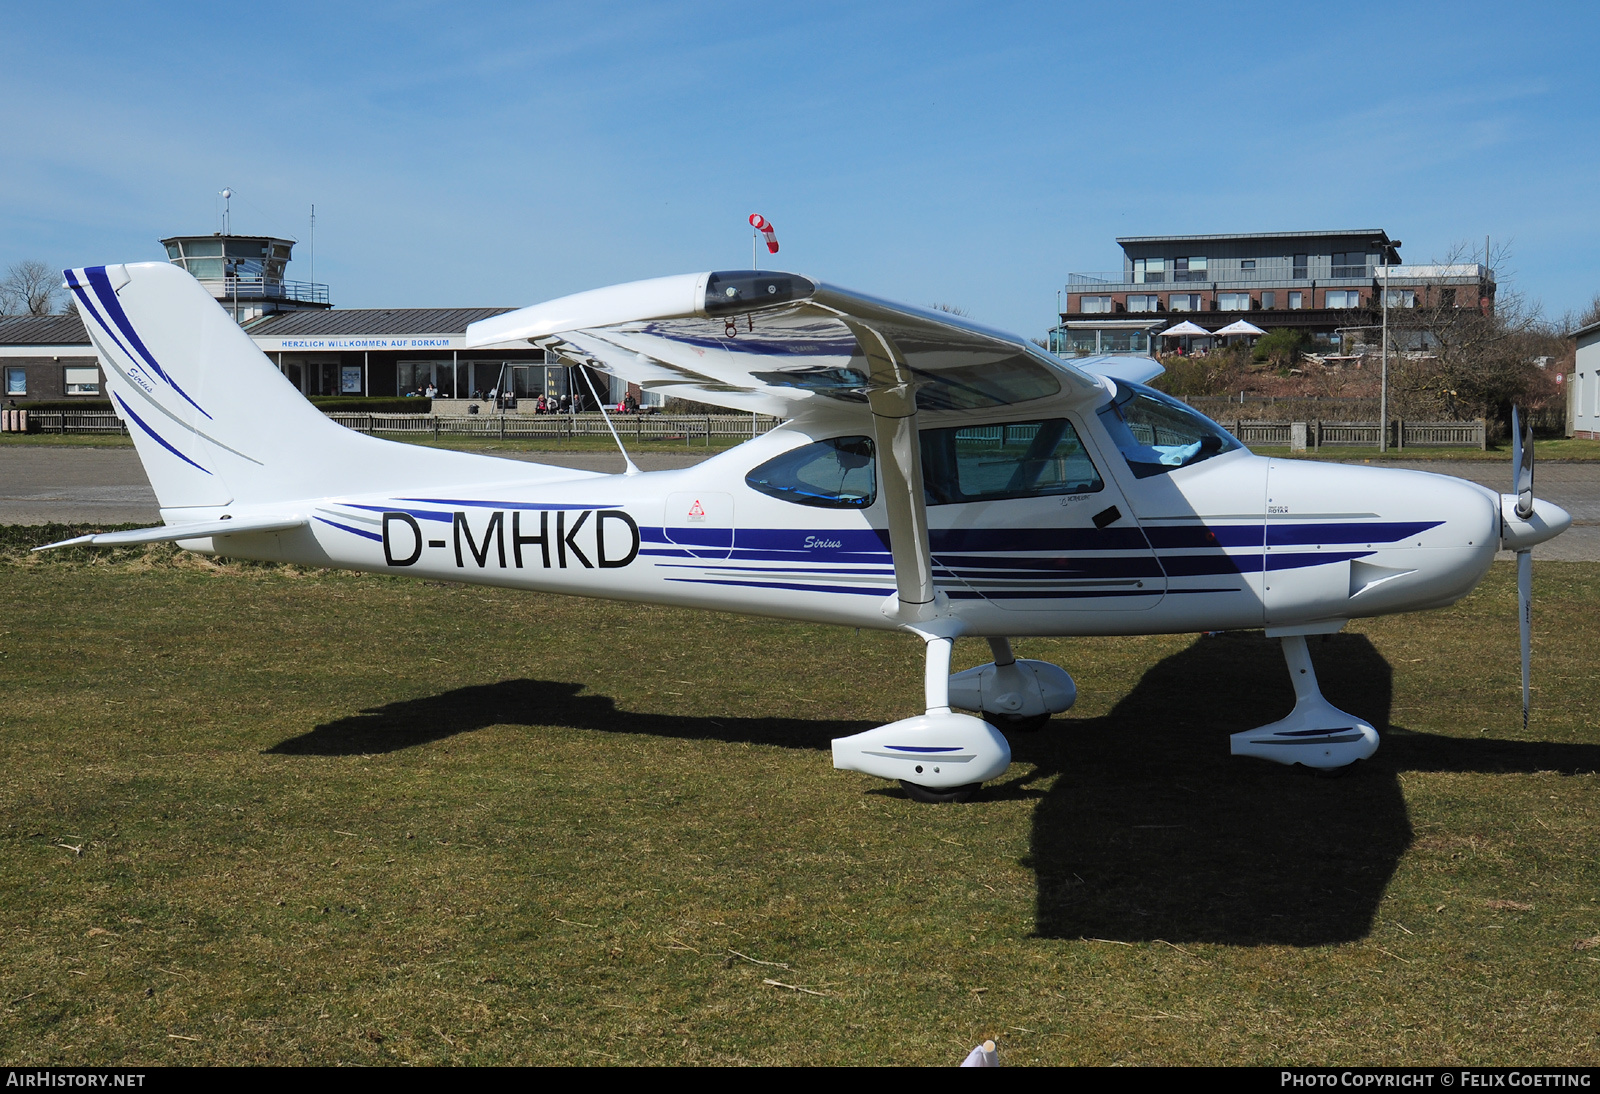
pixel 1151 829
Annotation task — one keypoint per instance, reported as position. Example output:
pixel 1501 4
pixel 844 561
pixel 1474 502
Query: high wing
pixel 782 344
pixel 778 343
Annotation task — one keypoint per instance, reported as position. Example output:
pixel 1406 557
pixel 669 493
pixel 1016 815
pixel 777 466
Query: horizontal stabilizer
pixel 168 533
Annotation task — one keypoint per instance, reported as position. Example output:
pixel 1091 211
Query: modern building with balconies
pixel 1318 282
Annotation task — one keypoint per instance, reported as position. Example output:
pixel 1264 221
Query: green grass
pixel 264 814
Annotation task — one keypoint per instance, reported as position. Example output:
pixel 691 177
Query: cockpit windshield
pixel 1158 434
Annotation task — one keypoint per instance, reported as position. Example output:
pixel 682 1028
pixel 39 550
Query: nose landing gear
pixel 1316 733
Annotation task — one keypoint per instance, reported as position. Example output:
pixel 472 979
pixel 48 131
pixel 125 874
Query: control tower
pixel 245 274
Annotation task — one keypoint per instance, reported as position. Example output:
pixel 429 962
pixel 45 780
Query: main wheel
pixel 1017 723
pixel 929 795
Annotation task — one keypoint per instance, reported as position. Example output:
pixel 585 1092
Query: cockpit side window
pixel 1157 434
pixel 1014 460
pixel 834 474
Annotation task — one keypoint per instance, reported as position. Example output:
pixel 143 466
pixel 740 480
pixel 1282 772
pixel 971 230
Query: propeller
pixel 1522 486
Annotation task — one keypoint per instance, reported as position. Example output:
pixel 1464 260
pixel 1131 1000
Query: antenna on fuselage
pixel 633 468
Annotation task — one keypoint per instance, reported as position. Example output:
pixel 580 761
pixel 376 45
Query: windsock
pixel 762 225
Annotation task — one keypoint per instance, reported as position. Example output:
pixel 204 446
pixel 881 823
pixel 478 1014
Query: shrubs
pixel 1282 347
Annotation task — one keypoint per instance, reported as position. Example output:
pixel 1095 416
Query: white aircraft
pixel 931 476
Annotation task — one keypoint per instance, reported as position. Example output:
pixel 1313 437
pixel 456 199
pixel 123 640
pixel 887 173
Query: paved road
pixel 107 486
pixel 49 485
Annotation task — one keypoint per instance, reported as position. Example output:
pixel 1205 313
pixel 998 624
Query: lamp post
pixel 1384 247
pixel 230 271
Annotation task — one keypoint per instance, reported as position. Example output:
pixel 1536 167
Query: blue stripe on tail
pixel 158 437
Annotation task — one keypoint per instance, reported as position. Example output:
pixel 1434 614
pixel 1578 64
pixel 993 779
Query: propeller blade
pixel 1522 464
pixel 1525 622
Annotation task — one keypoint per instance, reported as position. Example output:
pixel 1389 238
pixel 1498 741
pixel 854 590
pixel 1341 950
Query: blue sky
pixel 967 153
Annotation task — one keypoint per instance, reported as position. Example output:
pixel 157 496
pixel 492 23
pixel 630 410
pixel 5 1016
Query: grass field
pixel 261 814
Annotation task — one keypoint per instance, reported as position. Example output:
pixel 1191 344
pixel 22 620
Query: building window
pixel 1400 298
pixel 1233 301
pixel 1248 264
pixel 1144 303
pixel 1082 342
pixel 1344 298
pixel 1269 300
pixel 1149 271
pixel 1447 298
pixel 1124 341
pixel 1350 264
pixel 1189 269
pixel 1300 267
pixel 82 380
pixel 1184 301
pixel 1094 305
pixel 1297 300
pixel 16 380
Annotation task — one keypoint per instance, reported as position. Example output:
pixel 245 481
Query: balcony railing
pixel 261 288
pixel 1266 273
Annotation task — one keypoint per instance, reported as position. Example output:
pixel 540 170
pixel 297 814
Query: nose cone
pixel 1547 521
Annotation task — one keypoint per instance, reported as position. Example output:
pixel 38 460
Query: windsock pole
pixel 762 227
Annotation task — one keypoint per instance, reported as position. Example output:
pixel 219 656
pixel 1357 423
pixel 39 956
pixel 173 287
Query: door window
pixel 1015 460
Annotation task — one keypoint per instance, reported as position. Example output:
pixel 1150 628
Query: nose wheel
pixel 1018 723
pixel 933 795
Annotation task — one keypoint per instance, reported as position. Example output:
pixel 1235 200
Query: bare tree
pixel 31 288
pixel 952 309
pixel 1457 353
pixel 1576 320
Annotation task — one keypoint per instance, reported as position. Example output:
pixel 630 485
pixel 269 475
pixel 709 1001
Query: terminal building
pixel 1583 385
pixel 321 349
pixel 1317 282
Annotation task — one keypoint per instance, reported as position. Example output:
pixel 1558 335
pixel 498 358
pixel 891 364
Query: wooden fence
pixel 655 427
pixel 64 421
pixel 701 428
pixel 1402 434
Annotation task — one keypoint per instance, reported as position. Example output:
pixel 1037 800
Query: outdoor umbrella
pixel 1185 327
pixel 1239 326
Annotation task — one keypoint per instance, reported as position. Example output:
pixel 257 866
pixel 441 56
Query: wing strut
pixel 892 395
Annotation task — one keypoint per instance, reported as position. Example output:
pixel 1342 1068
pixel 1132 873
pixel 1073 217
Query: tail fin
pixel 213 419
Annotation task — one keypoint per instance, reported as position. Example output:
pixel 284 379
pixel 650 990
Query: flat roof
pixel 1369 233
pixel 358 322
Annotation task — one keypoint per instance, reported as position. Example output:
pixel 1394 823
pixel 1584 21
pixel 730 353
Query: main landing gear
pixel 942 756
pixel 1316 733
